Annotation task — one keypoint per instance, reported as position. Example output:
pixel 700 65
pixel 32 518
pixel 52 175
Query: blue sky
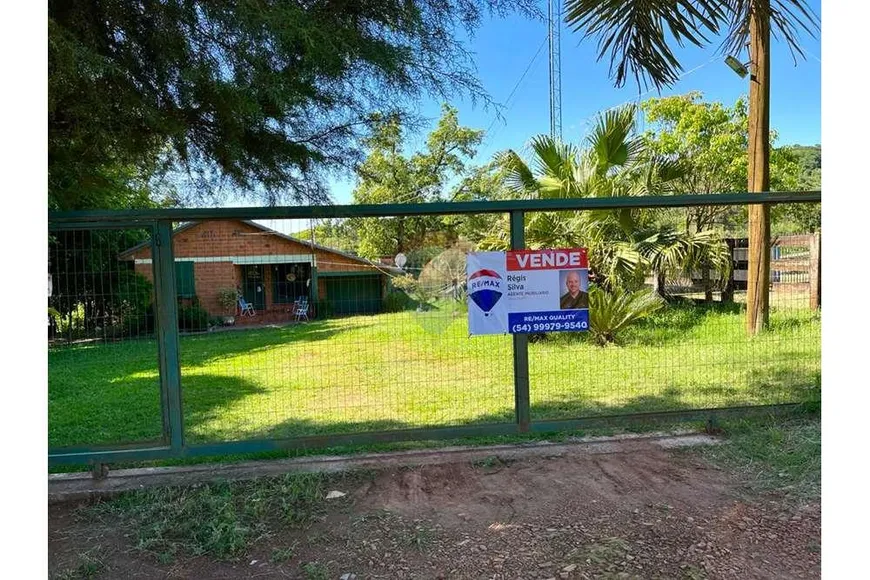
pixel 503 48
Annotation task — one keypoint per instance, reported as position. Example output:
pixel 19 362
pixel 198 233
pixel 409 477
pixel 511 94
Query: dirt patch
pixel 639 512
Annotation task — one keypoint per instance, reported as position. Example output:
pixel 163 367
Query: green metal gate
pixel 312 366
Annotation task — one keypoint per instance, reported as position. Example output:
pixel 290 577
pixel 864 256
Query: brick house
pixel 270 269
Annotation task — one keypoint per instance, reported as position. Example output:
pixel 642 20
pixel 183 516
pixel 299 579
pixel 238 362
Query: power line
pixel 637 97
pixel 519 82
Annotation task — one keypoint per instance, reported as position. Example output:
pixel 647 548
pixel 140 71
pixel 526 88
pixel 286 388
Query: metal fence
pixel 180 333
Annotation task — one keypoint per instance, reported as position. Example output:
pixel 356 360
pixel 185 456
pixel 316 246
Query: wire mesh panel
pixel 290 334
pixel 360 324
pixel 103 377
pixel 668 323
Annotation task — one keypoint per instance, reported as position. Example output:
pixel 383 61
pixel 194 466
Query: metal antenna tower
pixel 554 19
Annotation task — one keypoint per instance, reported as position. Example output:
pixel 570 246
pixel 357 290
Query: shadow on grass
pixel 301 427
pixel 674 322
pixel 129 411
pixel 119 360
pixel 96 399
pixel 200 350
pixel 774 385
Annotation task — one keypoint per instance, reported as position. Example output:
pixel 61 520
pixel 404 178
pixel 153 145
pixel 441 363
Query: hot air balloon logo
pixel 485 288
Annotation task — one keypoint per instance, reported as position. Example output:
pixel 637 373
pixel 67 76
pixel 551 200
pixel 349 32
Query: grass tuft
pixel 773 454
pixel 89 566
pixel 281 555
pixel 218 519
pixel 315 571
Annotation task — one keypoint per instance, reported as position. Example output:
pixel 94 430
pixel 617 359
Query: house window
pixel 184 286
pixel 290 281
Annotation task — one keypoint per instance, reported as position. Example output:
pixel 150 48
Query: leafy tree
pixel 803 217
pixel 388 175
pixel 484 183
pixel 334 233
pixel 262 96
pixel 90 284
pixel 809 157
pixel 638 35
pixel 710 141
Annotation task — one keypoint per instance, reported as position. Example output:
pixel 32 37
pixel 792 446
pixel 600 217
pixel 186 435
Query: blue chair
pixel 246 308
pixel 300 309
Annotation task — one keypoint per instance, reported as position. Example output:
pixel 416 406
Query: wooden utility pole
pixel 758 282
pixel 816 271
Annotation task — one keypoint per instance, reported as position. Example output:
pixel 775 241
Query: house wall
pixel 230 238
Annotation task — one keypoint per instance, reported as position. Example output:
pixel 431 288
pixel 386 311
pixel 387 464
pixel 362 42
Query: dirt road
pixel 639 511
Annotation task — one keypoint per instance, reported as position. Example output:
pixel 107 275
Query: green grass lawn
pixel 414 369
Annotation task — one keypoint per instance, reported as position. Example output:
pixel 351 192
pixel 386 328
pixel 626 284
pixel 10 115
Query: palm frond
pixel 788 18
pixel 685 252
pixel 634 33
pixel 611 311
pixel 518 177
pixel 494 242
pixel 551 156
pixel 554 230
pixel 611 139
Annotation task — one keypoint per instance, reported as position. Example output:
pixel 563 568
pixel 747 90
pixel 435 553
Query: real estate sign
pixel 526 291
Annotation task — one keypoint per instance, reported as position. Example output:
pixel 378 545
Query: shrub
pixel 71 324
pixel 134 306
pixel 134 294
pixel 611 311
pixel 227 298
pixel 138 325
pixel 422 293
pixel 192 318
pixel 398 301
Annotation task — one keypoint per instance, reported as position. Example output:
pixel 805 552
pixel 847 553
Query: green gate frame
pixel 160 222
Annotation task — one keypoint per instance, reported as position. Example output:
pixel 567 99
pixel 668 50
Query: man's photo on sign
pixel 575 287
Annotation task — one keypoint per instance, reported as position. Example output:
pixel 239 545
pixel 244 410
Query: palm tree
pixel 624 245
pixel 610 312
pixel 636 34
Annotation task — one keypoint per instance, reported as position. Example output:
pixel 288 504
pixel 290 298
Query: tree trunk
pixel 758 282
pixel 400 235
pixel 816 271
pixel 707 284
pixel 660 283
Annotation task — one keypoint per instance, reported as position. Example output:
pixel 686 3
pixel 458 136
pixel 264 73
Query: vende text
pixel 546 259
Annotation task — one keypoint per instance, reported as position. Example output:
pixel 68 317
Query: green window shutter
pixel 184 287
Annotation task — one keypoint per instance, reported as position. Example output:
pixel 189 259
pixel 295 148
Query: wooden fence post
pixel 816 271
pixel 728 290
